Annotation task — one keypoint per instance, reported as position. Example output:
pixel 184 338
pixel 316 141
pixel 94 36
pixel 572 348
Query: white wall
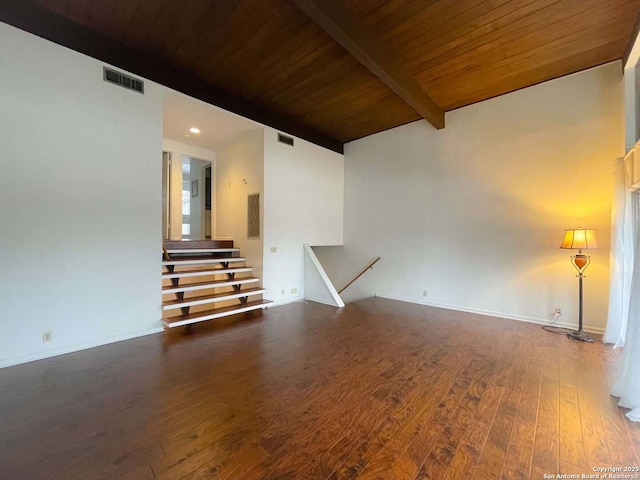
pixel 239 172
pixel 303 203
pixel 80 252
pixel 474 214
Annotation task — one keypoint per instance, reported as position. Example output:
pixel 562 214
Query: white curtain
pixel 627 385
pixel 622 254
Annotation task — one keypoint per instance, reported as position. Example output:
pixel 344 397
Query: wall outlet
pixel 273 249
pixel 46 337
pixel 557 311
pixel 424 293
pixel 294 290
pixel 283 291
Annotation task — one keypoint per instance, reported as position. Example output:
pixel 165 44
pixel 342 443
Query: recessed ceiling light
pixel 194 130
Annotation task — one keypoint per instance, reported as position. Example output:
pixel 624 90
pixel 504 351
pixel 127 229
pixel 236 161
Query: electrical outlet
pixel 294 291
pixel 46 337
pixel 557 311
pixel 273 249
pixel 283 291
pixel 424 293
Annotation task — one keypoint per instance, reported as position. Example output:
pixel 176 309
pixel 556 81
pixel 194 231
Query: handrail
pixel 359 275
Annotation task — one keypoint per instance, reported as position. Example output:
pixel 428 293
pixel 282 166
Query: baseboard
pixel 8 362
pixel 509 316
pixel 284 301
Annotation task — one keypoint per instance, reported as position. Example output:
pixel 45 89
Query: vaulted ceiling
pixel 276 62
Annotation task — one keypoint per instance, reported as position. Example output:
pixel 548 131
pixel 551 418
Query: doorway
pixel 196 210
pixel 187 198
pixel 166 193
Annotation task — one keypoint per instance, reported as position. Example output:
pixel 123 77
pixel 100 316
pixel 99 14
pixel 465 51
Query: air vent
pixel 123 80
pixel 253 215
pixel 285 139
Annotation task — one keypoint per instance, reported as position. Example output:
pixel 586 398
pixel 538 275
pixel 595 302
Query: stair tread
pixel 215 296
pixel 205 271
pixel 196 243
pixel 202 250
pixel 196 259
pixel 209 284
pixel 180 320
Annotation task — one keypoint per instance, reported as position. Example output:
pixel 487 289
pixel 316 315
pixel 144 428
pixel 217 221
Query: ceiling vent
pixel 285 139
pixel 123 80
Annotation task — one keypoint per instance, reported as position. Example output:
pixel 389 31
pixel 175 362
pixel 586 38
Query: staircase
pixel 204 280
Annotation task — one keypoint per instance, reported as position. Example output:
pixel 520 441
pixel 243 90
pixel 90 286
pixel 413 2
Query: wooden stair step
pixel 201 260
pixel 181 320
pixel 193 244
pixel 205 271
pixel 217 297
pixel 205 285
pixel 203 250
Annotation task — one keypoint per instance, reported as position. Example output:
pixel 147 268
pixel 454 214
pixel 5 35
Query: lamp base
pixel 580 335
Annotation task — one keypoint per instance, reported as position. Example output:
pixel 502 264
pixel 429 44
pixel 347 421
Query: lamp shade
pixel 579 238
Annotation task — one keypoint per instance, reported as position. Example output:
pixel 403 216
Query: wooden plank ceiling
pixel 270 54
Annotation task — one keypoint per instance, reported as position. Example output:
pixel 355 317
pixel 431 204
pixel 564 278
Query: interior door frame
pixel 166 186
pixel 177 151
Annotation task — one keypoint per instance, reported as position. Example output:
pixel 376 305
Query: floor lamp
pixel 581 239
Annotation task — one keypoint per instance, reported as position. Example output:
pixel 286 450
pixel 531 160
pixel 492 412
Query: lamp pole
pixel 580 262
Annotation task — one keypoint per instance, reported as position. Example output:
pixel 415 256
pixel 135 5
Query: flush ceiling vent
pixel 285 139
pixel 125 81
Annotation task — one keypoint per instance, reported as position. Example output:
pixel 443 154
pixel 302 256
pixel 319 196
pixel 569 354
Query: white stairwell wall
pixel 80 202
pixel 342 264
pixel 317 285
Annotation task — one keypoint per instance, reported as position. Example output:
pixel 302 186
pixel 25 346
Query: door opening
pixel 196 198
pixel 187 197
pixel 166 194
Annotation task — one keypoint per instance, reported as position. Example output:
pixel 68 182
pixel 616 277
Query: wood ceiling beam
pixel 34 19
pixel 337 21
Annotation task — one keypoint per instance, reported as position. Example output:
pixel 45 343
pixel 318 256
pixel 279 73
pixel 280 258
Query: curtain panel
pixel 627 384
pixel 622 254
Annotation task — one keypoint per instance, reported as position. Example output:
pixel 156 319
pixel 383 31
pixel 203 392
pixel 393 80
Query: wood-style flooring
pixel 380 389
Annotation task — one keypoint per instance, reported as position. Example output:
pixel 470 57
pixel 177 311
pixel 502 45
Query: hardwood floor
pixel 379 389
